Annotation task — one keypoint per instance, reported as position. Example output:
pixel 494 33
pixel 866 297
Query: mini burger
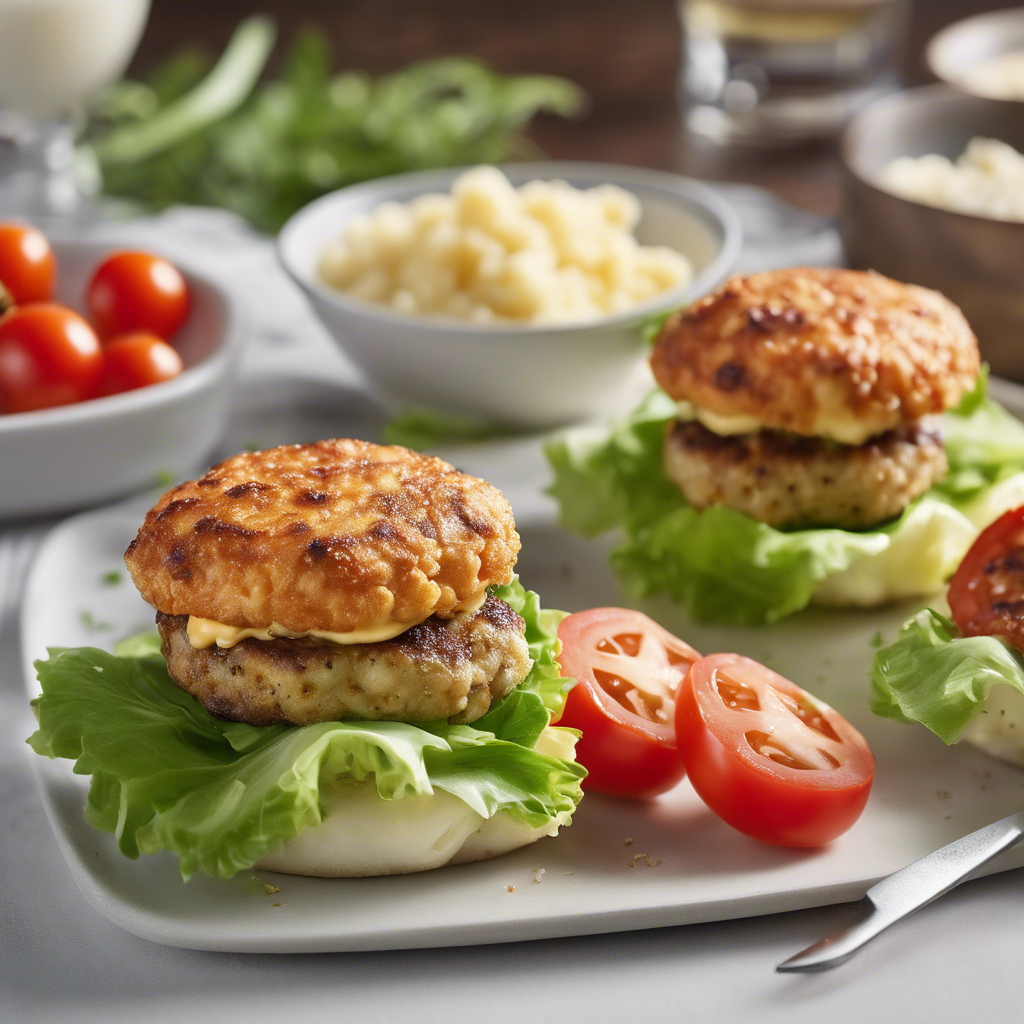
pixel 350 680
pixel 819 434
pixel 810 397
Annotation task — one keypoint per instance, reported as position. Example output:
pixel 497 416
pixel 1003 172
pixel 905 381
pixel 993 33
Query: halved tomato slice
pixel 767 757
pixel 986 594
pixel 628 670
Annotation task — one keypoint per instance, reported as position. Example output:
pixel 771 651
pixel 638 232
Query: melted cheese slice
pixel 725 426
pixel 844 431
pixel 204 633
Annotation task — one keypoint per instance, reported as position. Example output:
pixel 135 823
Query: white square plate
pixel 590 878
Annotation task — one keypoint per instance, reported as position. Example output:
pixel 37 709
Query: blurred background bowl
pixel 955 53
pixel 58 459
pixel 520 376
pixel 978 262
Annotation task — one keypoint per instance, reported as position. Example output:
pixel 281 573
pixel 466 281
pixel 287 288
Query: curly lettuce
pixel 725 566
pixel 933 675
pixel 165 774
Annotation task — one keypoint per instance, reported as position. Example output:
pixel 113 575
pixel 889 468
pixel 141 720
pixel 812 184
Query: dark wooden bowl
pixel 977 262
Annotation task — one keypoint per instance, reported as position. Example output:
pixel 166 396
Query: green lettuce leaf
pixel 984 444
pixel 168 775
pixel 425 429
pixel 933 675
pixel 545 678
pixel 723 565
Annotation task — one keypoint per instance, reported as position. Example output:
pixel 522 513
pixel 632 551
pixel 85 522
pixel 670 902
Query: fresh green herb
pixel 219 137
pixel 423 430
pixel 877 640
pixel 219 94
pixel 111 578
pixel 93 624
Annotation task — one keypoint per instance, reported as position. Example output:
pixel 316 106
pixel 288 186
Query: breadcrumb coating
pixel 338 535
pixel 842 354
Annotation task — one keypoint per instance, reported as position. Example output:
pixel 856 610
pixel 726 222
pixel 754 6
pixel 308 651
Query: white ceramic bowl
pixel 959 49
pixel 527 377
pixel 74 455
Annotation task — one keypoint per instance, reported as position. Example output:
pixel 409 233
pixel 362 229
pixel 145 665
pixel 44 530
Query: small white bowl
pixel 526 377
pixel 961 48
pixel 57 459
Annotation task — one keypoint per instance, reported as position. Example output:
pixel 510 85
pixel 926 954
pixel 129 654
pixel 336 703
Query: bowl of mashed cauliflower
pixel 520 295
pixel 934 195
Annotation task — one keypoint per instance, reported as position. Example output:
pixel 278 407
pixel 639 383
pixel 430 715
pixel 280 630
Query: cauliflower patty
pixel 842 354
pixel 785 480
pixel 336 536
pixel 441 669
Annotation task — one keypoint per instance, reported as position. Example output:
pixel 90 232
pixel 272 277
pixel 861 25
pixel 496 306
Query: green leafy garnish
pixel 219 137
pixel 933 675
pixel 423 430
pixel 92 623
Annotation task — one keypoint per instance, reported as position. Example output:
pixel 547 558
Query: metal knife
pixel 909 889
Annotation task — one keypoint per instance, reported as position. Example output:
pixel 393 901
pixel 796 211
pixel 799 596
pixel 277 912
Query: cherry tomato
pixel 627 670
pixel 767 757
pixel 28 269
pixel 133 291
pixel 48 356
pixel 135 361
pixel 986 594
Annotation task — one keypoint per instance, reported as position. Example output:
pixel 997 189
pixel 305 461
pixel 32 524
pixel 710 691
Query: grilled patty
pixel 785 480
pixel 441 669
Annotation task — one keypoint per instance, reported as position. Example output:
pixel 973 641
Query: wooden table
pixel 625 54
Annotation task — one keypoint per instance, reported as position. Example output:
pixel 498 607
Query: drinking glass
pixel 770 71
pixel 55 54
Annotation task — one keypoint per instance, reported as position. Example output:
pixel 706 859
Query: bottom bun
pixel 363 834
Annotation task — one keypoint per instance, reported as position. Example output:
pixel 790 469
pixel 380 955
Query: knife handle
pixel 907 890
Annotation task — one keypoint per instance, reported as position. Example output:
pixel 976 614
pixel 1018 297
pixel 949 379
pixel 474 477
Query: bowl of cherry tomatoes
pixel 115 370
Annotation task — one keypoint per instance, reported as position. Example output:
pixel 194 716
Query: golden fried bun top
pixel 843 354
pixel 337 536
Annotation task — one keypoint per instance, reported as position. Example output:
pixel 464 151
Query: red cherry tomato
pixel 28 269
pixel 48 356
pixel 135 361
pixel 986 594
pixel 133 291
pixel 627 670
pixel 767 757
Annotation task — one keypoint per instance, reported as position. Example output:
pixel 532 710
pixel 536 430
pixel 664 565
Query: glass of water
pixel 770 71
